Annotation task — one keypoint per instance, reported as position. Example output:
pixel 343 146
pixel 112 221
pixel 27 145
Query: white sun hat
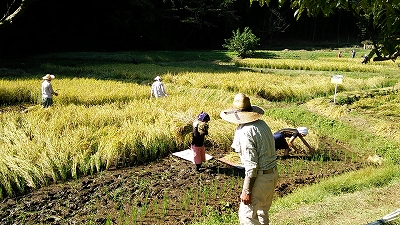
pixel 49 77
pixel 303 130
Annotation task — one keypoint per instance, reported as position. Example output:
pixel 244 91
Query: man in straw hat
pixel 291 133
pixel 157 88
pixel 47 91
pixel 254 142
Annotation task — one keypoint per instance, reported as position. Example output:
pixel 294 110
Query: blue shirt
pixel 256 147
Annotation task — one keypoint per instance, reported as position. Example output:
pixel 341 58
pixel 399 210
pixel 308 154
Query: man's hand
pixel 248 184
pixel 245 198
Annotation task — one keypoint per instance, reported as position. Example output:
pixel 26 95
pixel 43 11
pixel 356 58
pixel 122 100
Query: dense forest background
pixel 123 25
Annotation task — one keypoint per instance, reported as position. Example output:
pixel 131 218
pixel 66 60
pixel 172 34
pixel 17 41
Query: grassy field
pixel 104 118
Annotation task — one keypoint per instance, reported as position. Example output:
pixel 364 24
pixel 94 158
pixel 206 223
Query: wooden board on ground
pixel 232 159
pixel 188 155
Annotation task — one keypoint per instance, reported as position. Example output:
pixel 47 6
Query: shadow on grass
pixel 264 55
pixel 142 66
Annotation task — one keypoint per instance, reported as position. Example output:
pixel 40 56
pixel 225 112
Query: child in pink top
pixel 200 130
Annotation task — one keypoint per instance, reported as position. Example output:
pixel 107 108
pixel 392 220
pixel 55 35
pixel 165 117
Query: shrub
pixel 244 44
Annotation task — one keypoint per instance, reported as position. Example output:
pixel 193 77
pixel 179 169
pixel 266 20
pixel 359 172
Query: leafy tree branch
pixel 14 11
pixel 380 17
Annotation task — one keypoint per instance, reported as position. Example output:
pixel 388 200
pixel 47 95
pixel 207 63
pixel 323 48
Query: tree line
pixel 100 25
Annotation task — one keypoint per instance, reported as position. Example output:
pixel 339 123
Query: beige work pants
pixel 261 199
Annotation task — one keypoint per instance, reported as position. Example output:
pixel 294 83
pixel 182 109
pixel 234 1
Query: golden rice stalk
pixel 233 157
pixel 182 131
pixel 182 126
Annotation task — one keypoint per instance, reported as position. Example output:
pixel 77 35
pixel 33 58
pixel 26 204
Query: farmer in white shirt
pixel 47 91
pixel 254 142
pixel 157 88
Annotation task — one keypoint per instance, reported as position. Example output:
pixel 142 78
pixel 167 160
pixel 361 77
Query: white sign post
pixel 336 79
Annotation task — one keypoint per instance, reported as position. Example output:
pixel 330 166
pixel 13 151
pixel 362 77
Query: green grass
pixel 344 199
pixel 104 118
pixel 359 140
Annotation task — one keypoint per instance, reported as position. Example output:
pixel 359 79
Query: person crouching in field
pixel 157 88
pixel 47 91
pixel 200 130
pixel 291 133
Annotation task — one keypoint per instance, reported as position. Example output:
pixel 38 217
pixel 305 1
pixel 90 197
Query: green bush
pixel 244 44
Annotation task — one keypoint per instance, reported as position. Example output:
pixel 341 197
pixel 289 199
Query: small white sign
pixel 337 79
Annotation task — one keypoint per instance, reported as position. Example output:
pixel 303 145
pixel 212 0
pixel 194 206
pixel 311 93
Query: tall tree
pixel 380 18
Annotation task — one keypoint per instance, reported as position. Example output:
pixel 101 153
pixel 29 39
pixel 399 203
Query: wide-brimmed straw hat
pixel 49 77
pixel 242 111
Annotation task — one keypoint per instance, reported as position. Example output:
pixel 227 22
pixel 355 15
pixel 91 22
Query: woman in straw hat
pixel 291 133
pixel 254 142
pixel 47 91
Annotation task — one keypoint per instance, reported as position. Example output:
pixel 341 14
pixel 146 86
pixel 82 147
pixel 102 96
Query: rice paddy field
pixel 102 153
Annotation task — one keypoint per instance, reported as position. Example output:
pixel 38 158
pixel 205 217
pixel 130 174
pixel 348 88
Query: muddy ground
pixel 165 192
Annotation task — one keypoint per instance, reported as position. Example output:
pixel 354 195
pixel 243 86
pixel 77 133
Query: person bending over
pixel 291 133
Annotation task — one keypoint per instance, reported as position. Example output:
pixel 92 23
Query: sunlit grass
pixel 358 138
pixel 322 64
pixel 358 191
pixel 105 123
pixel 85 91
pixel 274 87
pixel 104 116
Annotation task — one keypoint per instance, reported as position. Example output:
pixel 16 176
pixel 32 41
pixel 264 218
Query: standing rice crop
pixel 19 91
pixel 68 140
pixel 273 87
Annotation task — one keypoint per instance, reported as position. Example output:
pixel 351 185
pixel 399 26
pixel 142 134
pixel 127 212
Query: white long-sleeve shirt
pixel 47 89
pixel 256 147
pixel 157 89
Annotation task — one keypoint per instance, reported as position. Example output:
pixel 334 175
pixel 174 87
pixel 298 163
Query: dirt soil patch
pixel 168 191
